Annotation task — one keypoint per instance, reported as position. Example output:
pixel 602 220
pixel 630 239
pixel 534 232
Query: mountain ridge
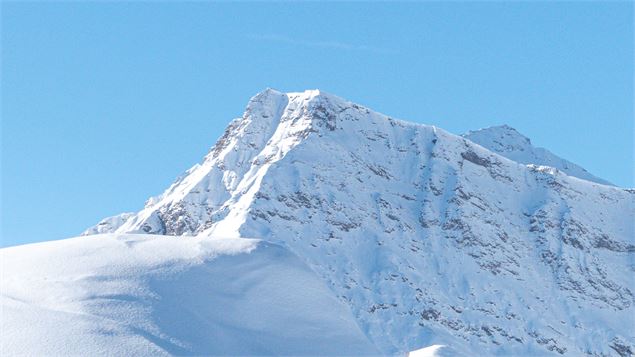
pixel 507 141
pixel 270 110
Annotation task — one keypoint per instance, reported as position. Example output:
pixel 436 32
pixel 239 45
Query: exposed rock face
pixel 429 237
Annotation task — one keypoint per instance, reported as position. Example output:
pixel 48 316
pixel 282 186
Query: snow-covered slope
pixel 429 238
pixel 506 141
pixel 144 295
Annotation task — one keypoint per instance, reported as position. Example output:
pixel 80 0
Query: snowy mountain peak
pixel 267 103
pixel 506 137
pixel 474 242
pixel 268 110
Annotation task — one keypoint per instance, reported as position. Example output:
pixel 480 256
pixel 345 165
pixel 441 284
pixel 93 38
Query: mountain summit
pixel 481 243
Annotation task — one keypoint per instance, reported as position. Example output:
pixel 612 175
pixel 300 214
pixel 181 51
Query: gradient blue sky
pixel 105 104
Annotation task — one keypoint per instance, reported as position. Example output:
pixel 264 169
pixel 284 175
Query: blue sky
pixel 105 104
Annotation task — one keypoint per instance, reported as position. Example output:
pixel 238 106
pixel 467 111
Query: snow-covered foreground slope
pixel 428 237
pixel 145 295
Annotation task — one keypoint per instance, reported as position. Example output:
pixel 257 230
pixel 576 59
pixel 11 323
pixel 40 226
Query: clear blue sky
pixel 105 104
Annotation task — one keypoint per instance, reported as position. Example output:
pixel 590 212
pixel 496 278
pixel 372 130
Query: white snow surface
pixel 427 237
pixel 430 351
pixel 147 295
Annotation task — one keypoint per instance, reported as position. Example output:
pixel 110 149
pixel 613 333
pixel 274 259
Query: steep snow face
pixel 508 142
pixel 429 238
pixel 146 295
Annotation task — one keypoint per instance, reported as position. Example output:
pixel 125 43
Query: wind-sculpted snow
pixel 428 237
pixel 144 295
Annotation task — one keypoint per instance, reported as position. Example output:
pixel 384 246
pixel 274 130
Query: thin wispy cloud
pixel 334 45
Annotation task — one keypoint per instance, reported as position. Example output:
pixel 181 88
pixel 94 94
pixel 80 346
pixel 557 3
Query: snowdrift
pixel 146 295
